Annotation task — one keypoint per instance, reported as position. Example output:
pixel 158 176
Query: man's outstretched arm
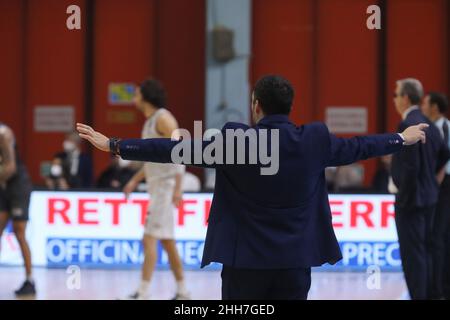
pixel 345 151
pixel 158 150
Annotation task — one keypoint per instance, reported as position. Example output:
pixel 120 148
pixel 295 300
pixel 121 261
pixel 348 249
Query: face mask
pixel 123 163
pixel 56 170
pixel 69 146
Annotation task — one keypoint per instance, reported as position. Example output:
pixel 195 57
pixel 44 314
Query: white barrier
pixel 102 229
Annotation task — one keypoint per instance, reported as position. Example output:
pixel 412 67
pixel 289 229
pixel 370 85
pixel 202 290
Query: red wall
pixel 44 64
pixel 323 47
pixel 332 59
pixel 124 37
pixel 283 43
pixel 180 59
pixel 54 64
pixel 11 61
pixel 347 63
pixel 417 46
pixel 162 39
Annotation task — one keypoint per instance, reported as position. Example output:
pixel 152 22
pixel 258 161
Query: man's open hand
pixel 414 134
pixel 97 139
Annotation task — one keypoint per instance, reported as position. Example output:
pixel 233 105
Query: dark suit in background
pixel 441 230
pixel 269 230
pixel 414 171
pixel 82 176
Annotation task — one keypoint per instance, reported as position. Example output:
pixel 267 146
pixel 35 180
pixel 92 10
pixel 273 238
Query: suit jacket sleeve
pixel 406 165
pixel 344 151
pixel 160 150
pixel 209 153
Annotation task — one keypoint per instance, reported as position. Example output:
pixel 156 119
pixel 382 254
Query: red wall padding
pixel 347 68
pixel 124 51
pixel 416 47
pixel 138 39
pixel 332 59
pixel 323 47
pixel 180 59
pixel 54 73
pixel 11 62
pixel 283 44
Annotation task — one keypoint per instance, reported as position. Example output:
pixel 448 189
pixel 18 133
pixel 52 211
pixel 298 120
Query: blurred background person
pixel 330 177
pixel 434 107
pixel 191 183
pixel 116 176
pixel 55 179
pixel 349 178
pixel 164 182
pixel 71 168
pixel 15 192
pixel 414 171
pixel 380 181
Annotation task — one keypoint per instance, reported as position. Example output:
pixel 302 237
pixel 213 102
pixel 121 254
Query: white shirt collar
pixel 407 111
pixel 440 122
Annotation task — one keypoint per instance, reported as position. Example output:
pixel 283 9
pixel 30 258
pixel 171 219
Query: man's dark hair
pixel 275 95
pixel 440 100
pixel 153 92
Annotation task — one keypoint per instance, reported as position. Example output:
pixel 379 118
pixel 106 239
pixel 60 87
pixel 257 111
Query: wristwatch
pixel 403 138
pixel 114 146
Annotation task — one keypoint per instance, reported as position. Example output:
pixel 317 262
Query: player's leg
pixel 4 215
pixel 19 228
pixel 176 265
pixel 149 244
pixel 19 194
pixel 4 218
pixel 150 257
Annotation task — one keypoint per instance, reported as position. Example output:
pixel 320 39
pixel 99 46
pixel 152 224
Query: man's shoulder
pixel 312 128
pixel 415 117
pixel 235 125
pixel 315 129
pixel 316 126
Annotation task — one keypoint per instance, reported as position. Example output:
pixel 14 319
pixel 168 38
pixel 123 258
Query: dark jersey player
pixel 15 191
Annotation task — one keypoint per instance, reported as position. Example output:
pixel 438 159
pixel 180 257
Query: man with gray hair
pixel 414 171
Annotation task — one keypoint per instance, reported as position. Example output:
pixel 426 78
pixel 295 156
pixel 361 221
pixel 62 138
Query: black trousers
pixel 441 243
pixel 414 229
pixel 251 284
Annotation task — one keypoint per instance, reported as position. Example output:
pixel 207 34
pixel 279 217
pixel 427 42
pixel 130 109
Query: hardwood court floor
pixel 204 285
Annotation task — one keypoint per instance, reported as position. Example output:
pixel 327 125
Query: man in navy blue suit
pixel 268 228
pixel 414 172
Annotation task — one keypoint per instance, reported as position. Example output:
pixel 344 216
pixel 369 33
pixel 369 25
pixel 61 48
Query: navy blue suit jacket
pixel 414 169
pixel 275 221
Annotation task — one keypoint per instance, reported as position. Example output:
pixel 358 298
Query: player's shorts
pixel 160 222
pixel 15 198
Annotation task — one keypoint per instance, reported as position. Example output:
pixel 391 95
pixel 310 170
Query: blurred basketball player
pixel 164 185
pixel 15 191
